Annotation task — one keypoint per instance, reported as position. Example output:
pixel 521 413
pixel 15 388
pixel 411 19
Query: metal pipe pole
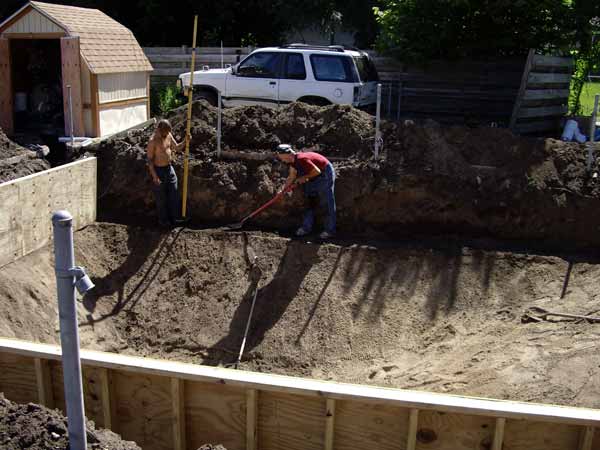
pixel 399 100
pixel 222 65
pixel 593 119
pixel 71 118
pixel 219 120
pixel 389 102
pixel 62 222
pixel 377 121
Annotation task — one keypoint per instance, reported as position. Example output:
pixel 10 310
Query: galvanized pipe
pixel 377 122
pixel 62 222
pixel 219 120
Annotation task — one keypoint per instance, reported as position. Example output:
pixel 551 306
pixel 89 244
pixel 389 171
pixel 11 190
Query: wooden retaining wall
pixel 168 405
pixel 27 204
pixel 543 95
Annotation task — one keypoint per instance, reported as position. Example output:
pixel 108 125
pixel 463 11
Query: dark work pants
pixel 167 200
pixel 322 187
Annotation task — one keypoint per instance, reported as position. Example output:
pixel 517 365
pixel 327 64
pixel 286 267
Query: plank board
pixel 552 61
pixel 439 431
pixel 71 76
pixel 215 414
pixel 542 111
pixel 6 93
pixel 521 435
pixel 28 204
pixel 143 408
pixel 549 78
pixel 360 425
pixel 18 379
pixel 545 94
pixel 290 422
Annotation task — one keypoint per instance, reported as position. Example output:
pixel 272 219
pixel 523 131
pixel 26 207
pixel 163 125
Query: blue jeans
pixel 323 188
pixel 167 200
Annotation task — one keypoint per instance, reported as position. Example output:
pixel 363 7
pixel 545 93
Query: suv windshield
pixel 366 69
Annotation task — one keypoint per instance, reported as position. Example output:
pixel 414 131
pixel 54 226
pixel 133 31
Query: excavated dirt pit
pixel 442 317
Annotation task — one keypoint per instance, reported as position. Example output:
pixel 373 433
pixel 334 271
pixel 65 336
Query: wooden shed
pixel 46 47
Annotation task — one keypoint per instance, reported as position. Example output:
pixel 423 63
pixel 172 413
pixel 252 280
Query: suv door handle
pixel 272 83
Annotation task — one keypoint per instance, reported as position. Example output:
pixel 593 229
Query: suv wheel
pixel 209 96
pixel 317 101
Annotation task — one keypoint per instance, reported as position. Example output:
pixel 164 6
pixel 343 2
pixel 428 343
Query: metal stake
pixel 219 119
pixel 389 103
pixel 62 222
pixel 377 122
pixel 590 156
pixel 222 65
pixel 399 100
pixel 71 118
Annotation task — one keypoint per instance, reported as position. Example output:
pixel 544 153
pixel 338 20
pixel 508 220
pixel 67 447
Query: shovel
pixel 240 224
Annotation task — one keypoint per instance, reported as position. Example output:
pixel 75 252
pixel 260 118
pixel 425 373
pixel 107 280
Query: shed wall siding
pixel 34 22
pixel 114 87
pixel 120 118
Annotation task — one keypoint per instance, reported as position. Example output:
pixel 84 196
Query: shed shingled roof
pixel 105 44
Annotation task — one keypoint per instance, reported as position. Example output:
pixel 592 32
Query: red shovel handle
pixel 270 202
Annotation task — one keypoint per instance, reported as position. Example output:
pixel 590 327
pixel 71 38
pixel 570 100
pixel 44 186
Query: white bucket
pixel 20 101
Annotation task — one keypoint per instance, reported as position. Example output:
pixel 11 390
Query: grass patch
pixel 589 91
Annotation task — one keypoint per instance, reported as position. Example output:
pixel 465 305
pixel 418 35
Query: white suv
pixel 272 76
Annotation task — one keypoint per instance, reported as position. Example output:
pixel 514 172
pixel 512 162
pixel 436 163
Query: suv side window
pixel 261 65
pixel 294 67
pixel 332 68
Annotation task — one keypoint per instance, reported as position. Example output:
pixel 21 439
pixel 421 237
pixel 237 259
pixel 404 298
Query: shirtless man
pixel 163 175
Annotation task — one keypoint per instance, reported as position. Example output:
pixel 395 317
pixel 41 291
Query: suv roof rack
pixel 331 48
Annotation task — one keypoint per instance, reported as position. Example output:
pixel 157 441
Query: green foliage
pixel 448 29
pixel 163 99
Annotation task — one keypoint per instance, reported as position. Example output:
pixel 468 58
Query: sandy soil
pixel 36 427
pixel 439 316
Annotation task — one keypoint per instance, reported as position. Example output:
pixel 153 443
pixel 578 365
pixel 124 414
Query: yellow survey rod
pixel 188 127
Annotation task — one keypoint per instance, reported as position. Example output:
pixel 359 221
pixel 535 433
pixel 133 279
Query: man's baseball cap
pixel 284 149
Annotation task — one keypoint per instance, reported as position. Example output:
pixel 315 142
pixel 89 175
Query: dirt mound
pixel 36 427
pixel 434 316
pixel 431 179
pixel 17 161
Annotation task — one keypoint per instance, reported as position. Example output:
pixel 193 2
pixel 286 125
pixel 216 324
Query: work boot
pixel 301 232
pixel 325 235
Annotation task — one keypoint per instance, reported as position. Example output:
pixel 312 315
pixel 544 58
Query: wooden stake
pixel 499 434
pixel 329 424
pixel 189 123
pixel 251 418
pixel 44 382
pixel 107 403
pixel 177 398
pixel 413 422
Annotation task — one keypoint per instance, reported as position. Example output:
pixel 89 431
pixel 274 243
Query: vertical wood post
pixel 329 423
pixel 6 91
pixel 177 396
pixel 413 422
pixel 586 438
pixel 107 401
pixel 44 382
pixel 251 419
pixel 522 89
pixel 499 434
pixel 95 98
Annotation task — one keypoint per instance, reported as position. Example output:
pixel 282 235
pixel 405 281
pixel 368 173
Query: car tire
pixel 316 101
pixel 209 96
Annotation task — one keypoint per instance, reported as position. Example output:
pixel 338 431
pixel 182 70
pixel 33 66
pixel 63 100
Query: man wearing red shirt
pixel 316 173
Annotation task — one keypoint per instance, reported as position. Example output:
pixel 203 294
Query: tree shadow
pixel 272 301
pixel 140 246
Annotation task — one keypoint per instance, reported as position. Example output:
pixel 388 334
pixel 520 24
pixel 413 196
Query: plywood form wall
pixel 28 203
pixel 168 405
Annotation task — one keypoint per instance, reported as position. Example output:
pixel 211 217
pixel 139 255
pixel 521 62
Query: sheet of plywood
pixel 215 414
pixel 290 422
pixel 143 409
pixel 71 76
pixel 6 92
pixel 526 435
pixel 440 431
pixel 18 379
pixel 361 425
pixel 28 204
